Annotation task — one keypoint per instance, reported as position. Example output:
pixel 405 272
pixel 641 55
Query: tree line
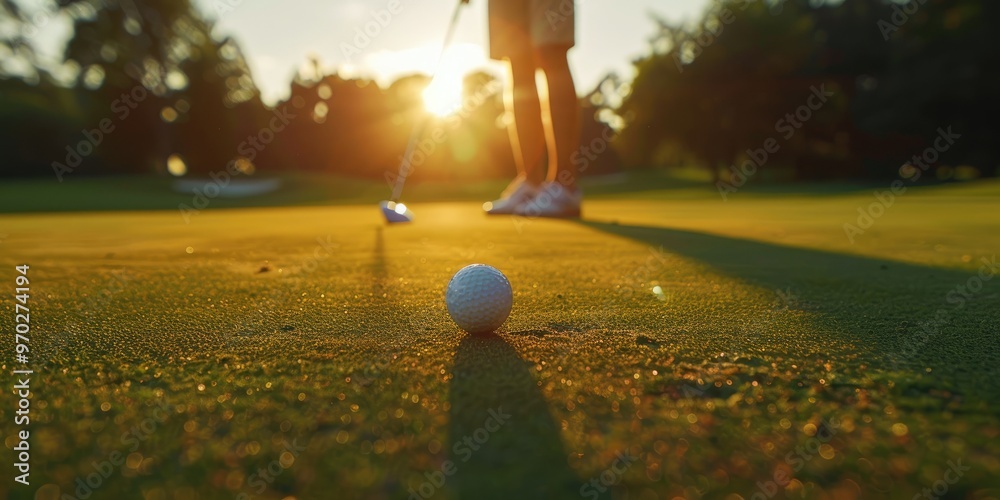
pixel 891 75
pixel 794 89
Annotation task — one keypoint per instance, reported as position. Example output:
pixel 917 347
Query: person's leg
pixel 525 129
pixel 561 114
pixel 553 33
pixel 510 42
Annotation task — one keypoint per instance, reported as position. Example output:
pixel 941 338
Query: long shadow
pixel 502 438
pixel 393 323
pixel 379 267
pixel 880 305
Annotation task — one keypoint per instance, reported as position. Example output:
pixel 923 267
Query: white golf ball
pixel 479 298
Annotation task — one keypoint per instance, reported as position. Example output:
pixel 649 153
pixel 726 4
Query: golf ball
pixel 479 298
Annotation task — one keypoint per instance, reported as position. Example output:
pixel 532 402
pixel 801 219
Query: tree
pixel 709 93
pixel 152 82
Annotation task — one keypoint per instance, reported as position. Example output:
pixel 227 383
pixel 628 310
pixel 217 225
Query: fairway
pixel 668 345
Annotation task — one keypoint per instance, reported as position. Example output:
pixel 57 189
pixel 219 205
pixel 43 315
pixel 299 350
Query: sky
pixel 279 37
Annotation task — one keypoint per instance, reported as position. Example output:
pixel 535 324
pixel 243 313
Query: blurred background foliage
pixel 706 92
pixel 705 95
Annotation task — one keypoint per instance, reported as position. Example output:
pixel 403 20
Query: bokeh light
pixel 176 166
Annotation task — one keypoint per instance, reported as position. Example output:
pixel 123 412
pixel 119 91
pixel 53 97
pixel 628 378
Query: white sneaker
pixel 517 193
pixel 553 200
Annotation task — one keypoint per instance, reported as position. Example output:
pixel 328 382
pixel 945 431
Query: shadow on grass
pixel 881 306
pixel 502 438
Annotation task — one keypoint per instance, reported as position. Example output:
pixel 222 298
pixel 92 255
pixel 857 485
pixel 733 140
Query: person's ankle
pixel 568 186
pixel 519 180
pixel 534 181
pixel 564 178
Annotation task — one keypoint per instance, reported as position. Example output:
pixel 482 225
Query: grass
pixel 714 345
pixel 91 193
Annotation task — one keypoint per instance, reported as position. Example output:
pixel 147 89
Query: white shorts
pixel 519 27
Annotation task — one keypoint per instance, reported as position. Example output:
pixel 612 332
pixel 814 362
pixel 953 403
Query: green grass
pixel 768 323
pixel 91 193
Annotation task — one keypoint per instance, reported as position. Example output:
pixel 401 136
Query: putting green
pixel 671 343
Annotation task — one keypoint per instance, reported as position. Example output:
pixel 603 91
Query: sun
pixel 443 97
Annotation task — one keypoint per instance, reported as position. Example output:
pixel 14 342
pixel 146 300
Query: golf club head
pixel 395 213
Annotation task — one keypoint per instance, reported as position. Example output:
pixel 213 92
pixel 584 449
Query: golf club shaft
pixel 405 167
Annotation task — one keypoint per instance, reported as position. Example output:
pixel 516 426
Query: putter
pixel 394 211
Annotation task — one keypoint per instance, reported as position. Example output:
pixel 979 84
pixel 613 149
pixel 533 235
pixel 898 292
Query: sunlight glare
pixel 444 95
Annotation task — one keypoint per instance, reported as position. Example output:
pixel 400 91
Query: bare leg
pixel 525 131
pixel 561 116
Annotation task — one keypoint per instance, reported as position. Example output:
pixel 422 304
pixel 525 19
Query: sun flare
pixel 444 94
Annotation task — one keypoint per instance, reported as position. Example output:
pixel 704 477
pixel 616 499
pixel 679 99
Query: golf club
pixel 394 211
